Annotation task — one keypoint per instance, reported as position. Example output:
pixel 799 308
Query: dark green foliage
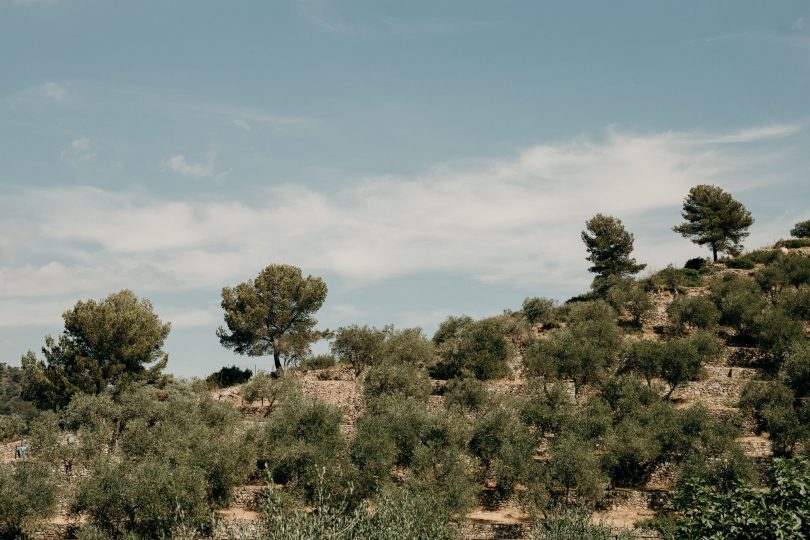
pixel 547 407
pixel 584 351
pixel 11 386
pixel 29 493
pixel 408 346
pixel 628 297
pixel 115 340
pixel 228 376
pixel 674 280
pixel 319 361
pixel 643 358
pixel 793 243
pixel 776 411
pixel 538 310
pixel 152 498
pixel 12 426
pixel 697 263
pixel 776 333
pixel 740 263
pixel 724 473
pixel 478 347
pixel 740 301
pixel 743 513
pixel 505 448
pixel 796 302
pixel 403 380
pixel 359 346
pixel 574 470
pixel 301 438
pixel 273 314
pixel 715 219
pixel 682 359
pixel 796 371
pixel 687 312
pixel 466 393
pixel 801 229
pixel 609 247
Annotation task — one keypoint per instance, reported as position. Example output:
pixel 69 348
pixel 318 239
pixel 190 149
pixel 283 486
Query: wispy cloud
pixel 53 91
pixel 80 149
pixel 179 165
pixel 513 219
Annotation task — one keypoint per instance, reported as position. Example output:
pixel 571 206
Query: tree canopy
pixel 609 246
pixel 104 342
pixel 714 218
pixel 273 314
pixel 801 229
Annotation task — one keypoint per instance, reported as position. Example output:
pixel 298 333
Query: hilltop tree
pixel 714 218
pixel 273 314
pixel 104 343
pixel 801 230
pixel 609 246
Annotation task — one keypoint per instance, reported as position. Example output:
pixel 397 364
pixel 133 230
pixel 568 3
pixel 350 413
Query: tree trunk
pixel 277 360
pixel 714 252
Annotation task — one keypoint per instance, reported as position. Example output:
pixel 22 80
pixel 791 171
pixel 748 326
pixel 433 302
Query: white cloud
pixel 756 134
pixel 513 219
pixel 53 91
pixel 179 165
pixel 80 149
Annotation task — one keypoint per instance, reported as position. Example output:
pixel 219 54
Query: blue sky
pixel 425 158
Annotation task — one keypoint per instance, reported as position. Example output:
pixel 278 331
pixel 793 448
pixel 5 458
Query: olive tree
pixel 714 218
pixel 273 314
pixel 104 343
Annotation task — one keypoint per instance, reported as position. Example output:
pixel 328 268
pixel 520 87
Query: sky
pixel 425 158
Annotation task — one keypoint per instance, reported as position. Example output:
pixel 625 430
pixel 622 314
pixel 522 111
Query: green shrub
pixel 673 279
pixel 740 301
pixel 574 470
pixel 793 243
pixel 547 407
pixel 776 333
pixel 359 346
pixel 228 376
pixel 12 426
pixel 796 371
pixel 772 405
pixel 764 256
pixel 796 302
pixel 408 346
pixel 801 230
pixel 396 515
pixel 745 513
pixel 538 310
pixel 697 263
pixel 643 358
pixel 693 312
pixel 389 379
pixel 152 498
pixel 505 448
pixel 740 263
pixel 682 359
pixel 475 346
pixel 628 297
pixel 270 389
pixel 466 393
pixel 585 351
pixel 301 437
pixel 28 494
pixel 319 361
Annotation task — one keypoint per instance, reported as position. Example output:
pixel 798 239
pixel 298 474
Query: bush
pixel 771 404
pixel 28 494
pixel 404 380
pixel 152 498
pixel 396 515
pixel 538 310
pixel 796 303
pixel 547 408
pixel 585 351
pixel 466 393
pixel 301 438
pixel 697 263
pixel 776 332
pixel 693 312
pixel 801 230
pixel 643 358
pixel 626 296
pixel 574 470
pixel 505 448
pixel 12 426
pixel 359 346
pixel 682 359
pixel 740 263
pixel 793 244
pixel 674 279
pixel 740 302
pixel 475 346
pixel 271 388
pixel 744 513
pixel 796 371
pixel 320 361
pixel 228 376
